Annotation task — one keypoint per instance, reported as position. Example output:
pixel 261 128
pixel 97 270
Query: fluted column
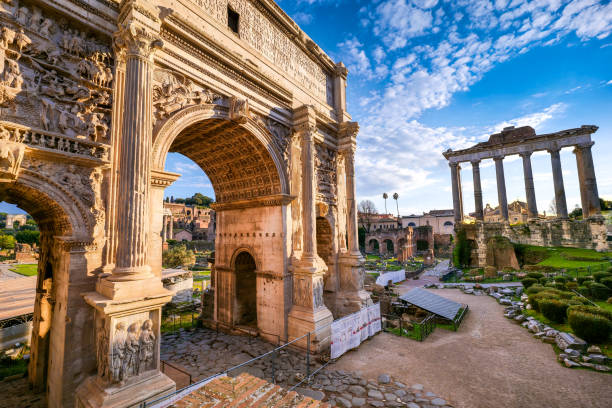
pixel 532 207
pixel 560 201
pixel 588 182
pixel 164 233
pixel 171 227
pixel 135 157
pixel 309 218
pixel 351 202
pixel 502 198
pixel 478 207
pixel 456 186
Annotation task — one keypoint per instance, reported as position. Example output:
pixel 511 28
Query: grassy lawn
pixel 574 258
pixel 25 269
pixel 371 257
pixel 10 367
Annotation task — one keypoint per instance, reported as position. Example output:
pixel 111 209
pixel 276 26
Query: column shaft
pixel 351 202
pixel 308 195
pixel 560 201
pixel 456 186
pixel 532 207
pixel 588 182
pixel 502 198
pixel 478 207
pixel 134 172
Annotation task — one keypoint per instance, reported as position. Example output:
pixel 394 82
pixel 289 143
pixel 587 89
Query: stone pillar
pixel 560 202
pixel 351 296
pixel 501 187
pixel 339 97
pixel 171 227
pixel 127 304
pixel 477 190
pixel 588 182
pixel 532 206
pixel 308 312
pixel 456 185
pixel 164 228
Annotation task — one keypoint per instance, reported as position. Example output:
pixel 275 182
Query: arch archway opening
pixel 373 246
pixel 389 247
pixel 246 290
pixel 31 297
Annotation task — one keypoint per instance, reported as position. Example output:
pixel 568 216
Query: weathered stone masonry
pixel 93 97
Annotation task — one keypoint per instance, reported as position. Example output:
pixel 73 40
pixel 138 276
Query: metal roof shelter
pixel 432 303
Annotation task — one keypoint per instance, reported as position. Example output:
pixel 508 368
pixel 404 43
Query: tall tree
pixel 366 211
pixel 385 196
pixel 395 197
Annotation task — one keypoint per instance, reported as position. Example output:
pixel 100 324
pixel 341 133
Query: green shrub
pixel 610 300
pixel 588 283
pixel 543 281
pixel 572 285
pixel 529 282
pixel 590 327
pixel 553 309
pixel 579 300
pixel 532 290
pixel 560 285
pixel 610 269
pixel 582 279
pixel 599 291
pixel 560 279
pixel 584 291
pixel 592 310
pixel 598 276
pixel 607 282
pixel 535 275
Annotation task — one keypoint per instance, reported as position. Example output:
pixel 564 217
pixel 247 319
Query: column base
pixel 351 297
pixel 133 289
pixel 302 320
pixel 92 394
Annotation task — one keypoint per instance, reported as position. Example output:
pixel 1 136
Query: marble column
pixel 171 227
pixel 478 207
pixel 532 206
pixel 456 186
pixel 308 312
pixel 560 201
pixel 135 159
pixel 351 192
pixel 502 198
pixel 588 182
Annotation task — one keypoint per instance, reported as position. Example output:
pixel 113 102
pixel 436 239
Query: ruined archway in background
pixel 246 290
pixel 373 246
pixel 388 247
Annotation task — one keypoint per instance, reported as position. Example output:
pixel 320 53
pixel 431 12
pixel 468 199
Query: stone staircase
pixel 246 391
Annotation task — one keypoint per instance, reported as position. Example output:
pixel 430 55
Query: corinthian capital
pixel 133 39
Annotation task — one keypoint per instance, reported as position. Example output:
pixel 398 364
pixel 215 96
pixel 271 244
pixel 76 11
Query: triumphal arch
pixel 93 96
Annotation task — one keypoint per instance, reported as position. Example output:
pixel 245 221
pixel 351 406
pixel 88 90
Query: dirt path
pixel 489 362
pixel 5 274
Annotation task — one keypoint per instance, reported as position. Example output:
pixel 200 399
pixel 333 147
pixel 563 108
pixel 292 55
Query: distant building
pixel 13 221
pixel 442 221
pixel 517 213
pixel 199 222
pixel 378 221
pixel 183 235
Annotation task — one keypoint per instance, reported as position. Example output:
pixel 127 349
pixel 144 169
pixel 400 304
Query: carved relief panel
pixel 325 168
pixel 271 41
pixel 53 77
pixel 126 346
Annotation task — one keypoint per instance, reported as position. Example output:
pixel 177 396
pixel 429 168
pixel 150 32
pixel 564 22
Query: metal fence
pixel 415 330
pixel 289 365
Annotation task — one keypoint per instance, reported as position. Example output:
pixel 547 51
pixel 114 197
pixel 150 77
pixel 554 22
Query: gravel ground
pixel 488 362
pixel 5 274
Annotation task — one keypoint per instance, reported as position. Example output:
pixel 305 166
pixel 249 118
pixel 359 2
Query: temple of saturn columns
pixel 93 96
pixel 523 141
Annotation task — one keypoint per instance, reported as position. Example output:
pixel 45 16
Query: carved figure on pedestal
pixel 102 351
pixel 118 353
pixel 22 41
pixel 22 15
pixel 7 37
pixel 147 346
pixel 130 362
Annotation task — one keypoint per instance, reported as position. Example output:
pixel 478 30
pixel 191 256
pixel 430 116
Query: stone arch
pixel 209 119
pixel 389 246
pixel 245 302
pixel 373 245
pixel 66 235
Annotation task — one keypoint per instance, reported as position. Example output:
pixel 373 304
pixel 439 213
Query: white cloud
pixel 302 18
pixel 397 21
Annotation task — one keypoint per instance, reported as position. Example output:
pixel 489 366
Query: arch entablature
pixel 238 154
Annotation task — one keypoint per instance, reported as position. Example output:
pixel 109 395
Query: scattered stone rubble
pixel 574 352
pixel 203 353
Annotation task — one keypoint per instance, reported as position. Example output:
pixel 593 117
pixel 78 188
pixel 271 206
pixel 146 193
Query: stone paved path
pixel 17 296
pixel 438 270
pixel 488 362
pixel 6 275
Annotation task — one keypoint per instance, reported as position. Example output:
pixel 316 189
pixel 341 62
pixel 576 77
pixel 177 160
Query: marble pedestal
pixel 127 345
pixel 351 296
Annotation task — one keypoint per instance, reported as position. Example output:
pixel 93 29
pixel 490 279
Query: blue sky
pixel 427 75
